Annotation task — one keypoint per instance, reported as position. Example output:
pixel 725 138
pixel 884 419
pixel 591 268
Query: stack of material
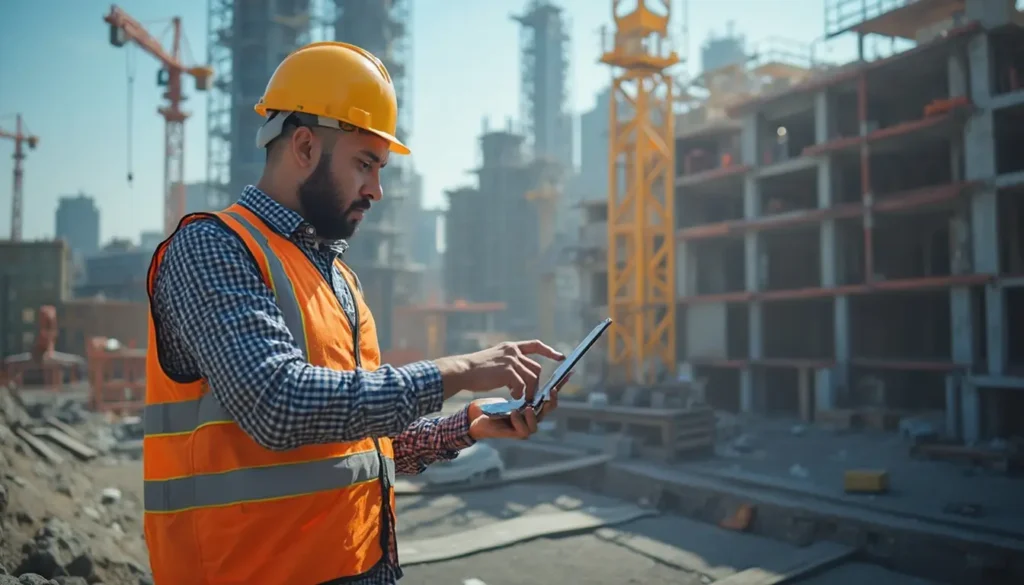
pixel 661 434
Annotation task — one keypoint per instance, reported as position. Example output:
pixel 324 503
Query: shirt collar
pixel 284 221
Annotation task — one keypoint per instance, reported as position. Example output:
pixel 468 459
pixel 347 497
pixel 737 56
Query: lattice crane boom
pixel 125 29
pixel 21 140
pixel 641 173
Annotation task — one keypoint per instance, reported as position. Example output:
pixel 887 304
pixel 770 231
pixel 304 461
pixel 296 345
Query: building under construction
pixel 247 42
pixel 847 238
pixel 492 235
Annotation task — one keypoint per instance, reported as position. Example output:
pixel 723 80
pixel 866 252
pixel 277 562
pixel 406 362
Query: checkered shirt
pixel 220 321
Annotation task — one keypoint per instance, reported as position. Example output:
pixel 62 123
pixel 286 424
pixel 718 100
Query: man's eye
pixel 364 166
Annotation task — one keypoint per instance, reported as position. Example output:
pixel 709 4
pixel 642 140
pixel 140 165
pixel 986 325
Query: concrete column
pixel 995 328
pixel 962 325
pixel 749 139
pixel 750 386
pixel 975 229
pixel 823 118
pixel 684 270
pixel 747 390
pixel 753 274
pixel 829 252
pixel 979 164
pixel 970 407
pixel 841 339
pixel 979 61
pixel 958 81
pixel 953 407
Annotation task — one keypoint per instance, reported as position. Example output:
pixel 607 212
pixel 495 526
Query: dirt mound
pixel 70 503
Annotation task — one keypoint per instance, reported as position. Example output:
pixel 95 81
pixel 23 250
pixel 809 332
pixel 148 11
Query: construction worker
pixel 272 432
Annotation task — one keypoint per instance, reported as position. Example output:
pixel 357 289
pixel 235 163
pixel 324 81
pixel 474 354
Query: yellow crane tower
pixel 641 178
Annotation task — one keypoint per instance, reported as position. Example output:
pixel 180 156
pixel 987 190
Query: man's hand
pixel 518 425
pixel 504 365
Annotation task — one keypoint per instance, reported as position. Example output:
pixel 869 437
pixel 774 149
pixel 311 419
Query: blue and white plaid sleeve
pixel 212 297
pixel 429 440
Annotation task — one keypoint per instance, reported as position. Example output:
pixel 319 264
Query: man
pixel 267 456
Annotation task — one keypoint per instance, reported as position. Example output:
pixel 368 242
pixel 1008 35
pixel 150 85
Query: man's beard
pixel 320 205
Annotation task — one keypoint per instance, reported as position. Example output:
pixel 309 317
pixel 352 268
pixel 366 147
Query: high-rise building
pixel 78 224
pixel 32 274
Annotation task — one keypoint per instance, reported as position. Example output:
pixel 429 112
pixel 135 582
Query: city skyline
pixel 84 140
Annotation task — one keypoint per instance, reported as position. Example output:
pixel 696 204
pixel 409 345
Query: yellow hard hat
pixel 334 83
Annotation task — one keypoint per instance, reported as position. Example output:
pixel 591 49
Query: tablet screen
pixel 570 362
pixel 563 369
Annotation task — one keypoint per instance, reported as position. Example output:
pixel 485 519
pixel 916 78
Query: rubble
pixel 70 507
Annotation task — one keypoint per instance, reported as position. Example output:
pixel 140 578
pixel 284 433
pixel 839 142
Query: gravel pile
pixel 68 515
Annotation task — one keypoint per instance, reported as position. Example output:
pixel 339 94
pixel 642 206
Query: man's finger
pixel 520 430
pixel 538 347
pixel 530 417
pixel 564 381
pixel 531 365
pixel 514 382
pixel 550 404
pixel 529 382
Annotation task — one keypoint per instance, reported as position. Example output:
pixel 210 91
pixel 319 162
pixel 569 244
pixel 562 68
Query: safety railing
pixel 843 15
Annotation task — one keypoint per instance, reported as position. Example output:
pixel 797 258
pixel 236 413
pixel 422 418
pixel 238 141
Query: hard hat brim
pixel 395 145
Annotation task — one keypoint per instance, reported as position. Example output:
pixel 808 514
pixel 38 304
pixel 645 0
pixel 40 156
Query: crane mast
pixel 125 29
pixel 20 139
pixel 641 179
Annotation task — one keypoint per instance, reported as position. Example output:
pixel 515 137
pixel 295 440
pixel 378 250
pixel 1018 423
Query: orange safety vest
pixel 219 508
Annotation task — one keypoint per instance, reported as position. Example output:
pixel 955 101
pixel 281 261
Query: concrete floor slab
pixel 715 552
pixel 426 516
pixel 509 532
pixel 572 560
pixel 861 574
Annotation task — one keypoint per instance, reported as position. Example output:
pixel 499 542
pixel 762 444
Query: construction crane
pixel 641 179
pixel 125 29
pixel 21 139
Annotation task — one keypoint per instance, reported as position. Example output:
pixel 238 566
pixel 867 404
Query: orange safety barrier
pixel 117 376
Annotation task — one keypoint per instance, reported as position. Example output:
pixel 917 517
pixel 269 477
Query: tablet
pixel 544 393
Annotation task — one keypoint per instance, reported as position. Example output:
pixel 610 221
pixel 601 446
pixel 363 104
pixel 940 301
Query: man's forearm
pixel 211 294
pixel 432 439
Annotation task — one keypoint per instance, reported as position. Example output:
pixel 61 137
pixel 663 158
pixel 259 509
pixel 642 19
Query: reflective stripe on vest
pixel 264 483
pixel 259 483
pixel 279 283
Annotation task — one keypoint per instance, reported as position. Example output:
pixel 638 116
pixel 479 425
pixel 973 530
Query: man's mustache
pixel 361 205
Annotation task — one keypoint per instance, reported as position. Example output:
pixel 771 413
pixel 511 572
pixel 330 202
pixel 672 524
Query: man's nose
pixel 373 191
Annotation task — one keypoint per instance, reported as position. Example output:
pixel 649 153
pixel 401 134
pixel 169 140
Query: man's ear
pixel 304 147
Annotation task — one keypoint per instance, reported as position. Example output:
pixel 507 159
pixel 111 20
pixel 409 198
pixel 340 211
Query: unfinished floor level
pixel 848 237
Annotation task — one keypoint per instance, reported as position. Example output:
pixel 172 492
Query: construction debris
pixel 60 521
pixel 866 481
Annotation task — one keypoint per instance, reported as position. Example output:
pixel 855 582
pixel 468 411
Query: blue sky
pixel 58 70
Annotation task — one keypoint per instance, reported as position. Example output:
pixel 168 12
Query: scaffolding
pixel 544 70
pixel 891 18
pixel 245 43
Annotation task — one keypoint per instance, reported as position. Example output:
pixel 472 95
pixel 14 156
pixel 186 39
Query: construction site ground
pixel 478 536
pixel 792 456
